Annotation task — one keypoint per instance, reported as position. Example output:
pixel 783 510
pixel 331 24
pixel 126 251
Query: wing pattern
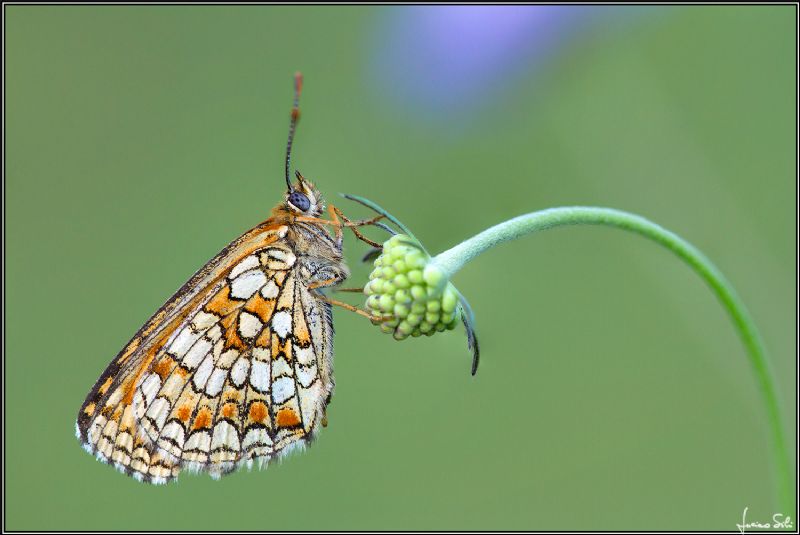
pixel 244 376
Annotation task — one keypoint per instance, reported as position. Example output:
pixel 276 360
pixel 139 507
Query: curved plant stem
pixel 455 258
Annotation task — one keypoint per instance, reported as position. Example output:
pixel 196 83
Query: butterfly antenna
pixel 298 86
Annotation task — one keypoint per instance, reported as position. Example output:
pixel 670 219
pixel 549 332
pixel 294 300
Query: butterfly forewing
pixel 234 369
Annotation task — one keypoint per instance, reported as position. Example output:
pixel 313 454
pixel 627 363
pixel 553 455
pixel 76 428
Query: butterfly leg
pixel 354 224
pixel 324 282
pixel 337 223
pixel 362 222
pixel 355 309
pixel 347 223
pixel 331 282
pixel 339 235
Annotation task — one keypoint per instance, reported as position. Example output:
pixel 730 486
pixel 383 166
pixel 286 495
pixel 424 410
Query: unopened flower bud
pixel 408 285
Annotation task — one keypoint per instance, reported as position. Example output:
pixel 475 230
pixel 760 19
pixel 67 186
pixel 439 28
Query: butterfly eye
pixel 300 201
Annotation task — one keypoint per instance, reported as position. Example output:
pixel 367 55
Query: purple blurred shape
pixel 444 59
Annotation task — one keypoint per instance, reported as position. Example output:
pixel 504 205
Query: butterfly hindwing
pixel 236 372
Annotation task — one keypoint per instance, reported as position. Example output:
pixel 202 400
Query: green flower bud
pixel 416 261
pixel 414 319
pixel 398 252
pixel 402 296
pixel 418 292
pixel 372 302
pixel 404 328
pixel 415 276
pixel 391 242
pixel 433 276
pixel 386 303
pixel 401 281
pixel 413 290
pixel 400 311
pixel 376 286
pixel 417 307
pixel 449 299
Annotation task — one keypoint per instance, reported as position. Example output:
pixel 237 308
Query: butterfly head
pixel 302 198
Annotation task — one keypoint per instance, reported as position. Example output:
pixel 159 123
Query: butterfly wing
pixel 235 368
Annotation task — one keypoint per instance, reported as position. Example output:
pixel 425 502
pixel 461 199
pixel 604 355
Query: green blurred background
pixel 613 391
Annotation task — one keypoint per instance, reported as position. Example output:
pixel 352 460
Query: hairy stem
pixel 455 258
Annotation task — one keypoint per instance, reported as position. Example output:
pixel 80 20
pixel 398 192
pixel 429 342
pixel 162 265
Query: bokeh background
pixel 613 391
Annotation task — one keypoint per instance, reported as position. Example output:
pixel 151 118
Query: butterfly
pixel 236 368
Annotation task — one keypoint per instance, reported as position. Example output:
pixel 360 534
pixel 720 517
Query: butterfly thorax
pixel 309 237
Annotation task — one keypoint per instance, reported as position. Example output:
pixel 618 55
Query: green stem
pixel 455 258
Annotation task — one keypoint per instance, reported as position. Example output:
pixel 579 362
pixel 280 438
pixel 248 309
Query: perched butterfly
pixel 237 367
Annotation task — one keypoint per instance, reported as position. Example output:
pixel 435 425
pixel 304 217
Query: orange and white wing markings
pixel 234 369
